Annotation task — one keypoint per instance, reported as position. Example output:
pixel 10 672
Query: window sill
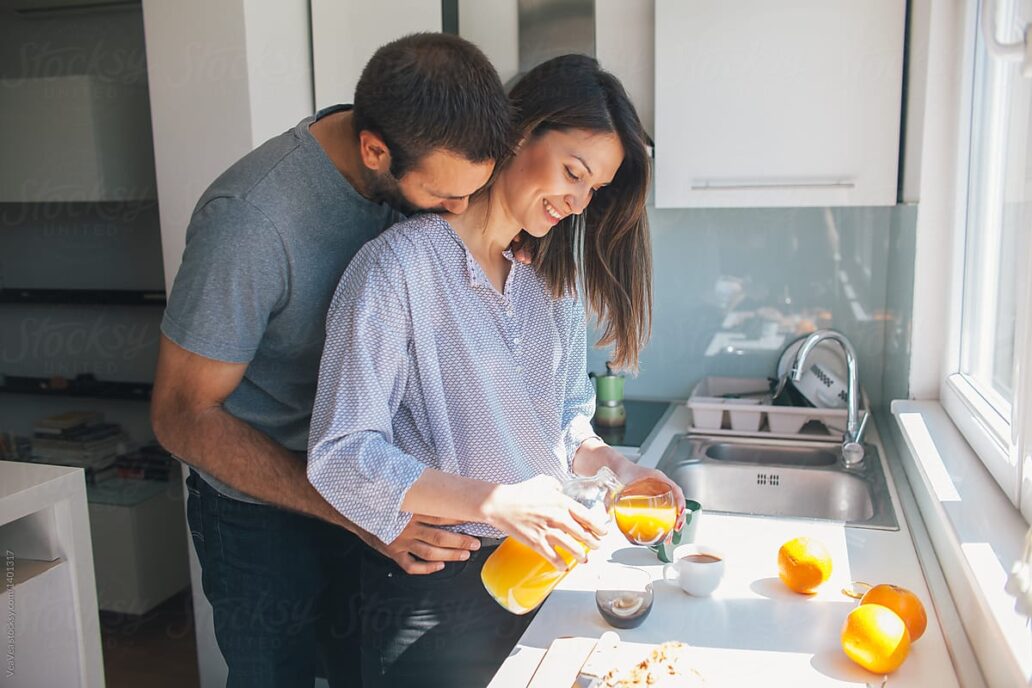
pixel 987 433
pixel 976 532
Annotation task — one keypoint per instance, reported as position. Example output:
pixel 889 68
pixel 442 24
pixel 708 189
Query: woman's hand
pixel 539 515
pixel 650 481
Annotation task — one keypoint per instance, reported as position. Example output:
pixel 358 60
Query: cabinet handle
pixel 711 185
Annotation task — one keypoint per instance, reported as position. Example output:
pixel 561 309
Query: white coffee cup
pixel 698 569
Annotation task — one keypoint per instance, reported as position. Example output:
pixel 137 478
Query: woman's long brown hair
pixel 609 242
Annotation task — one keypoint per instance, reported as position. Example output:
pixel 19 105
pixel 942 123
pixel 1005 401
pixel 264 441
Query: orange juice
pixel 644 520
pixel 518 578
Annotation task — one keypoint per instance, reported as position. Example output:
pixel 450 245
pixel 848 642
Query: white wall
pixel 279 66
pixel 223 77
pixel 940 190
pixel 200 105
pixel 345 34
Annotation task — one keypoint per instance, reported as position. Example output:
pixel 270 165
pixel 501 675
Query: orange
pixel 803 564
pixel 876 638
pixel 905 603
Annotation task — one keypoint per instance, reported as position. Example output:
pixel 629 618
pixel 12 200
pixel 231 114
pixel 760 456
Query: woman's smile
pixel 555 173
pixel 553 215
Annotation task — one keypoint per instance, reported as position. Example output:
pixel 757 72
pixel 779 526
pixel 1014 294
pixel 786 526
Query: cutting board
pixel 562 662
pixel 573 657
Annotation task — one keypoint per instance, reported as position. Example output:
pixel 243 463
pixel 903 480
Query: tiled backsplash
pixel 734 287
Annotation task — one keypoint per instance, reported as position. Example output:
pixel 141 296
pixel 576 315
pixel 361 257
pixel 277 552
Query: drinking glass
pixel 644 518
pixel 624 596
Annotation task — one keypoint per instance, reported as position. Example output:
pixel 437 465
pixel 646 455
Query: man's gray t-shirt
pixel 266 246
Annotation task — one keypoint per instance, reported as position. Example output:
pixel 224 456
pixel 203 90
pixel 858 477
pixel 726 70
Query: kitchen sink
pixel 773 453
pixel 780 478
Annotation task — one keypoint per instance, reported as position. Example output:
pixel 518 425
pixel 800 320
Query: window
pixel 988 385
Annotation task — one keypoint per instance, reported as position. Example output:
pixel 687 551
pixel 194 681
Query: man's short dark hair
pixel 430 91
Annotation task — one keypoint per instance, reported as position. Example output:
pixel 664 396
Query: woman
pixel 454 382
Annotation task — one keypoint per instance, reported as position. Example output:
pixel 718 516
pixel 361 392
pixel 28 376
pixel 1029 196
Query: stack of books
pixel 81 439
pixel 149 462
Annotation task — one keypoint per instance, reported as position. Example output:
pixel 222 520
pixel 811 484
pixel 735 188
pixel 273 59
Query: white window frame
pixel 1002 443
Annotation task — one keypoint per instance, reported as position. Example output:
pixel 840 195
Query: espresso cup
pixel 697 569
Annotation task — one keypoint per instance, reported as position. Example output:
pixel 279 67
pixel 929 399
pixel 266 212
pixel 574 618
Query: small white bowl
pixel 695 570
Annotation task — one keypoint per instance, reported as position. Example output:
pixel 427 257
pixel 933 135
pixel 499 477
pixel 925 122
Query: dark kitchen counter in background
pixel 643 417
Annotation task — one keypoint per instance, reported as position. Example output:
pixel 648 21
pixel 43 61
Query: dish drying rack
pixel 741 406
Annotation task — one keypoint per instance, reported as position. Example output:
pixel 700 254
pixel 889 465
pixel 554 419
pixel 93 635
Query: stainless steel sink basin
pixel 772 453
pixel 780 478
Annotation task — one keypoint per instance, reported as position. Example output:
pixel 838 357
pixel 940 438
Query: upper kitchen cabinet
pixel 75 138
pixel 769 104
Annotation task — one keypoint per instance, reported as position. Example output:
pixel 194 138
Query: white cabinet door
pixel 762 104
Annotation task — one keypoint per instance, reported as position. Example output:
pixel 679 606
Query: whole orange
pixel 876 638
pixel 803 564
pixel 905 603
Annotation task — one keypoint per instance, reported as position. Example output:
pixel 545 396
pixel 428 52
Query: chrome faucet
pixel 852 440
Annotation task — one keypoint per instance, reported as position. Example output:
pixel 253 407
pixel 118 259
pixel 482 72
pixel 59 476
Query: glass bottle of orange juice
pixel 519 578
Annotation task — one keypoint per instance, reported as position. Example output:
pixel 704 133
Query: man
pixel 244 331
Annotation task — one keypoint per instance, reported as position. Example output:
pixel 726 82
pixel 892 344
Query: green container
pixel 609 388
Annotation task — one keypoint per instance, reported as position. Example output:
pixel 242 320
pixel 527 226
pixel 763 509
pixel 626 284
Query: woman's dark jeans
pixel 284 589
pixel 441 629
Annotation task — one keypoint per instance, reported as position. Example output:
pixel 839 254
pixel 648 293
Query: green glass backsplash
pixel 733 287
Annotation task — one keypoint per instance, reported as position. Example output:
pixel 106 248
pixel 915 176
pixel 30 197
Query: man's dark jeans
pixel 284 588
pixel 441 630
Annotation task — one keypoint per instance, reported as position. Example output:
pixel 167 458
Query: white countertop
pixel 753 631
pixel 43 515
pixel 27 487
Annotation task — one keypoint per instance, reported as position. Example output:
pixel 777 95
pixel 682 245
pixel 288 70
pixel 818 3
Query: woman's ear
pixel 374 151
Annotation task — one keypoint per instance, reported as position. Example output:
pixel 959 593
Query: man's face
pixel 440 182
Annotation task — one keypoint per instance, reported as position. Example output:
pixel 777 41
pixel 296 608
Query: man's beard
pixel 384 188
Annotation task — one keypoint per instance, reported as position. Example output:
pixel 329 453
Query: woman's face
pixel 555 174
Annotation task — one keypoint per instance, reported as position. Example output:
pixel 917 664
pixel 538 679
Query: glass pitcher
pixel 519 578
